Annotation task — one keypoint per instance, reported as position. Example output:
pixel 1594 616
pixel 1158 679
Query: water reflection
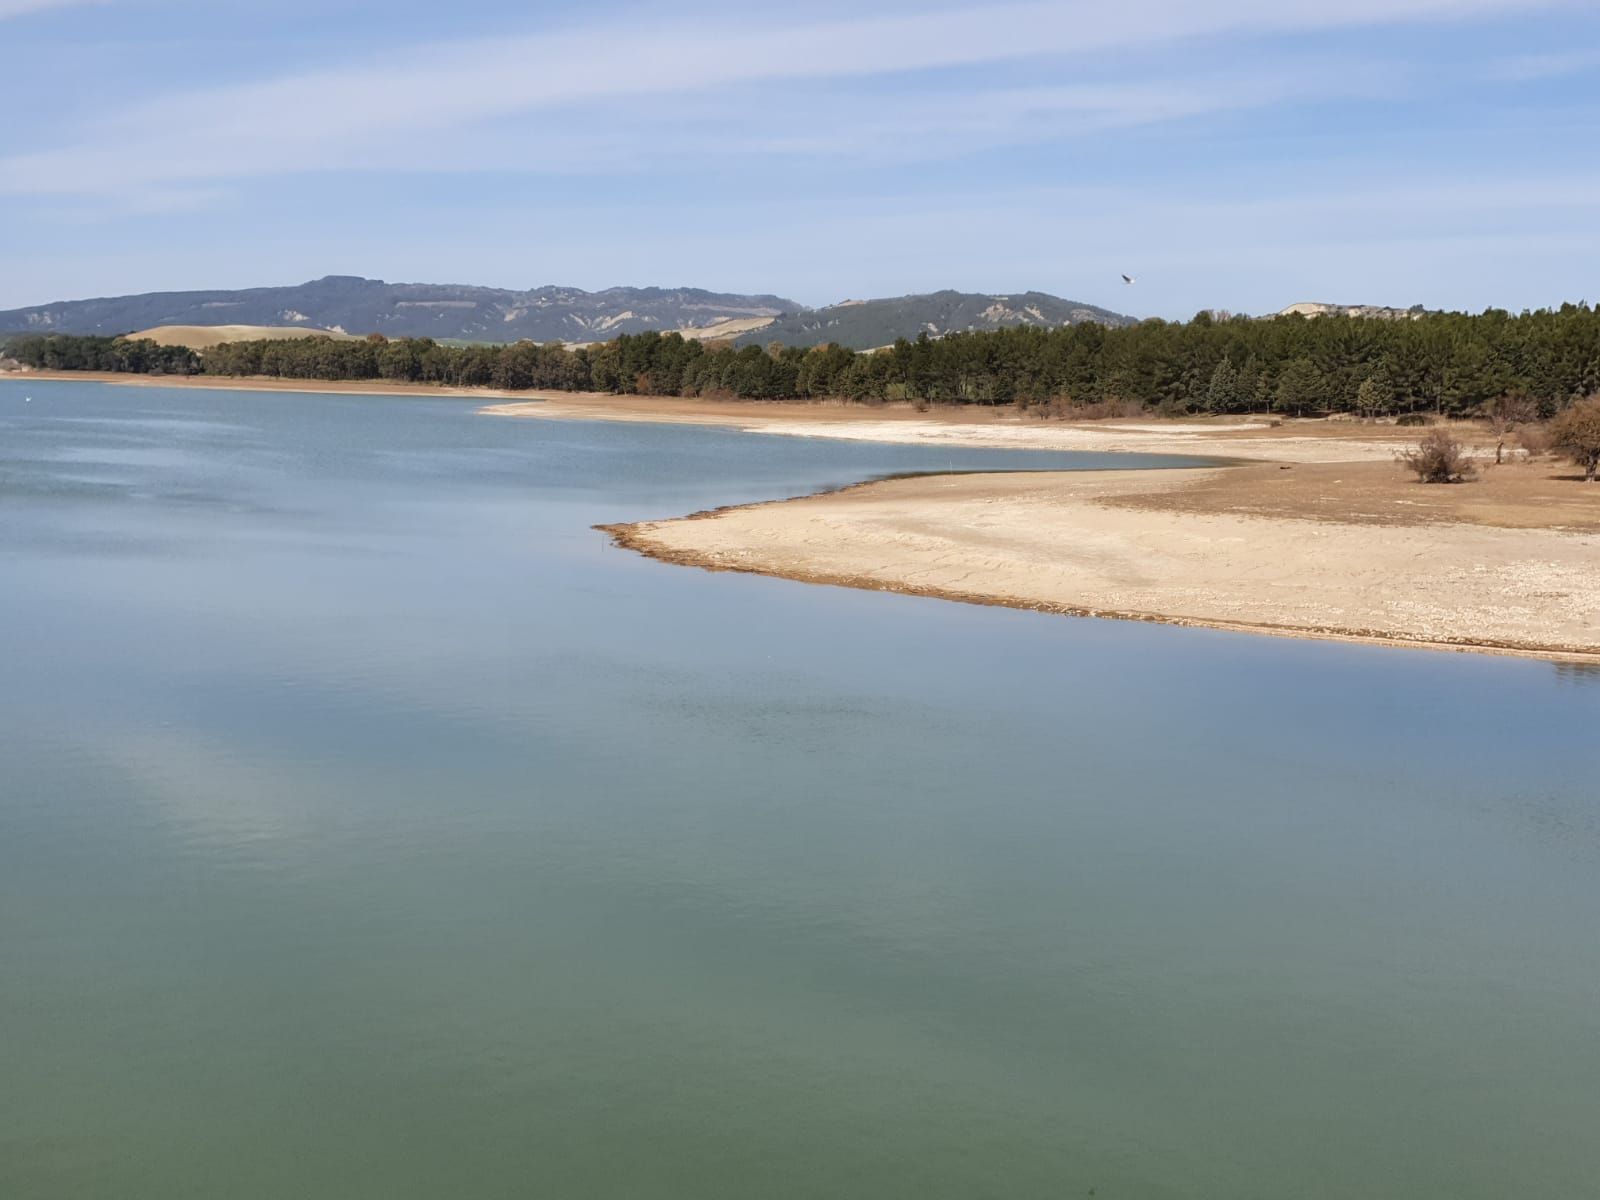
pixel 1579 673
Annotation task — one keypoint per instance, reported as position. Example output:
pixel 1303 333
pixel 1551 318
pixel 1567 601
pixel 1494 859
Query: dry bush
pixel 1535 440
pixel 1507 413
pixel 1576 433
pixel 1439 458
pixel 1511 410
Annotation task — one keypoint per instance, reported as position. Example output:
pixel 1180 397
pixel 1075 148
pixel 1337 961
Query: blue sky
pixel 1237 154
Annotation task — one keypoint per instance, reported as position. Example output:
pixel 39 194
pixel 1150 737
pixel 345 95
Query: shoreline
pixel 837 538
pixel 637 538
pixel 1308 530
pixel 1241 437
pixel 230 383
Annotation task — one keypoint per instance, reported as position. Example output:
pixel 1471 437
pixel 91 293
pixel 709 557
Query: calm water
pixel 370 828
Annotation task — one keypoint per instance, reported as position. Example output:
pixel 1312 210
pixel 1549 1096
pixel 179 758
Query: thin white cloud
pixel 841 125
pixel 322 120
pixel 21 8
pixel 1546 66
pixel 910 127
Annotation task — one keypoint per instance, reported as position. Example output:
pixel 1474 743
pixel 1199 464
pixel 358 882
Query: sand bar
pixel 1143 545
pixel 1320 534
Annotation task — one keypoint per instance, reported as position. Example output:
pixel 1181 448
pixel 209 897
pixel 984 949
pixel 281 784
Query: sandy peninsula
pixel 1188 548
pixel 1317 533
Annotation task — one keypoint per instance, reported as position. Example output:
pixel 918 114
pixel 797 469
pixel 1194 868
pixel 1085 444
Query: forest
pixel 1449 364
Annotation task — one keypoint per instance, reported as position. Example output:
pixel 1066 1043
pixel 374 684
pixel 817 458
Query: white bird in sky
pixel 1130 279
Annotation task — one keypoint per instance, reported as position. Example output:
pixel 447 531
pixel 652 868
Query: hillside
pixel 455 312
pixel 867 324
pixel 356 306
pixel 204 337
pixel 1379 312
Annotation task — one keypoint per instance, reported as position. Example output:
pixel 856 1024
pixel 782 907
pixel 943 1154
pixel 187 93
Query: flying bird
pixel 1130 279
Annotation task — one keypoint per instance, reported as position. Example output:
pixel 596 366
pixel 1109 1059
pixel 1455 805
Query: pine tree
pixel 1223 393
pixel 1375 394
pixel 1299 387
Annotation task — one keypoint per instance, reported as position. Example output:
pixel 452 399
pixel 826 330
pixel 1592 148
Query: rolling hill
pixel 867 324
pixel 346 304
pixel 455 312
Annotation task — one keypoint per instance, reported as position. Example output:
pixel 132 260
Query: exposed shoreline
pixel 226 383
pixel 1242 437
pixel 1316 534
pixel 1118 544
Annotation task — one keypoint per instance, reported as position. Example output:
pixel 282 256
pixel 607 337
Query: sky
pixel 1232 154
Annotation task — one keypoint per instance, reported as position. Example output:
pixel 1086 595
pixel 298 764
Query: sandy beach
pixel 1318 533
pixel 993 428
pixel 1168 546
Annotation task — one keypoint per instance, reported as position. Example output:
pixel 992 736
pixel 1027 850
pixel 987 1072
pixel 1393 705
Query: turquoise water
pixel 369 827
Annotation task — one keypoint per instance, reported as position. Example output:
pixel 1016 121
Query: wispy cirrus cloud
pixel 373 113
pixel 1546 66
pixel 20 8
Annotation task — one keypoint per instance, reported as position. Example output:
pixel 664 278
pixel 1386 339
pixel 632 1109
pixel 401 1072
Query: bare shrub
pixel 1439 458
pixel 1576 433
pixel 1535 440
pixel 1511 410
pixel 1507 413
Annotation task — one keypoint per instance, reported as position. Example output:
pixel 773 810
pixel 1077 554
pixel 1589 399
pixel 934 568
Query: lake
pixel 371 828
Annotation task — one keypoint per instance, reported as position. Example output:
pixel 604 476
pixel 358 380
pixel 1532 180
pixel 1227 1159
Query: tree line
pixel 1450 364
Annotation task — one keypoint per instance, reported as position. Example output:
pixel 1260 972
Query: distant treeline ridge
pixel 1448 363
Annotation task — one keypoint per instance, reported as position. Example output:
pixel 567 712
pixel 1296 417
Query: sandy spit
pixel 1076 543
pixel 1351 551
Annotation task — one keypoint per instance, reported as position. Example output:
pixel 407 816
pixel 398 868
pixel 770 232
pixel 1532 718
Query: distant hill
pixel 347 304
pixel 203 337
pixel 1316 308
pixel 867 324
pixel 350 305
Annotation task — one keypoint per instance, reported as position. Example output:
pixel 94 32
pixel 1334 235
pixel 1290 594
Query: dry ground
pixel 1232 548
pixel 1545 494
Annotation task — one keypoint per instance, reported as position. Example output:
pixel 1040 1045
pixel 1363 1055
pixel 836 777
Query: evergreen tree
pixel 1299 387
pixel 1222 394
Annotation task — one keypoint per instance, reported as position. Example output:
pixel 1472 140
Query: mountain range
pixel 349 304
